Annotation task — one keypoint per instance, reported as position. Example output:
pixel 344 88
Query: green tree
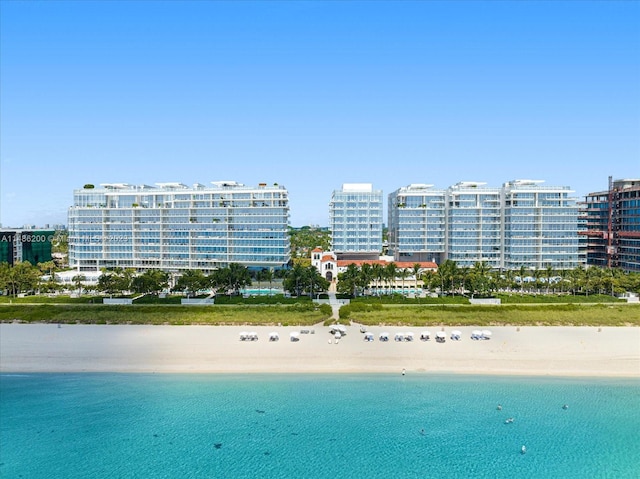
pixel 191 281
pixel 150 282
pixel 78 280
pixel 21 277
pixel 293 281
pixel 390 273
pixel 349 280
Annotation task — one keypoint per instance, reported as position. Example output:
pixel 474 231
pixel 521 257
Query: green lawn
pixel 298 314
pixel 541 315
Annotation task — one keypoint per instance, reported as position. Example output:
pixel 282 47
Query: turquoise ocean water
pixel 316 426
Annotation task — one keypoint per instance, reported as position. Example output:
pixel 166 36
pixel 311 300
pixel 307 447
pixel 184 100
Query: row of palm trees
pixel 481 280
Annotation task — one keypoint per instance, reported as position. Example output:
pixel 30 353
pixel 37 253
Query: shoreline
pixel 543 351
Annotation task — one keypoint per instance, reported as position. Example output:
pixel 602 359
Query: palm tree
pixel 416 273
pixel 390 273
pixel 403 273
pixel 523 271
pixel 366 275
pixel 548 274
pixel 377 271
pixel 77 280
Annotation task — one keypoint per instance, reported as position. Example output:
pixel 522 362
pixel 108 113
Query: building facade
pixel 417 223
pixel 174 227
pixel 474 222
pixel 17 245
pixel 355 221
pixel 540 226
pixel 519 224
pixel 612 226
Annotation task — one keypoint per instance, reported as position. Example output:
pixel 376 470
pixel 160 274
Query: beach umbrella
pixel 243 336
pixel 337 335
pixel 384 336
pixel 425 335
pixel 456 334
pixel 341 328
pixel 440 335
pixel 408 336
pixel 294 336
pixel 368 336
pixel 476 334
pixel 486 334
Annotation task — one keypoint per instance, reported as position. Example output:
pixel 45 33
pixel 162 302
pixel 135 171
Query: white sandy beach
pixel 554 351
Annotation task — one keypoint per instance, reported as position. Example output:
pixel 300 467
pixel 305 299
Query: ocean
pixel 317 426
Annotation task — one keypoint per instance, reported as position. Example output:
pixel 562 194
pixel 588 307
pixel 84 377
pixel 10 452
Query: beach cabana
pixel 253 336
pixel 274 336
pixel 294 336
pixel 339 328
pixel 243 336
pixel 425 336
pixel 384 337
pixel 486 334
pixel 456 335
pixel 441 336
pixel 476 334
pixel 399 337
pixel 368 337
pixel 408 336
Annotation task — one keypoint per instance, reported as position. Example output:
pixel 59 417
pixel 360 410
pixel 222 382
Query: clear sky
pixel 312 95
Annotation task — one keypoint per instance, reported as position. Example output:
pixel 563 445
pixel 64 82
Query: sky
pixel 312 95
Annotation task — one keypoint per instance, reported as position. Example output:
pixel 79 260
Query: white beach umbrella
pixel 368 336
pixel 337 335
pixel 476 334
pixel 486 334
pixel 384 336
pixel 456 334
pixel 408 336
pixel 294 336
pixel 441 334
pixel 341 328
pixel 425 335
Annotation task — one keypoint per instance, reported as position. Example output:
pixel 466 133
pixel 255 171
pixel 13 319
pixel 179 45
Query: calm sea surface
pixel 316 426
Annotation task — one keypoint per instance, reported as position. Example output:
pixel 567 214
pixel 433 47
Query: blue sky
pixel 312 95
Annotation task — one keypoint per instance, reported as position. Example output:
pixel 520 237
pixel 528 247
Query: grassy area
pixel 43 299
pixel 522 315
pixel 512 298
pixel 517 298
pixel 401 299
pixel 298 314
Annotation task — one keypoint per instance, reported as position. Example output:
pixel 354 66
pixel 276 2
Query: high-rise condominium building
pixel 540 226
pixel 417 223
pixel 519 224
pixel 18 245
pixel 612 221
pixel 175 227
pixel 355 220
pixel 473 224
